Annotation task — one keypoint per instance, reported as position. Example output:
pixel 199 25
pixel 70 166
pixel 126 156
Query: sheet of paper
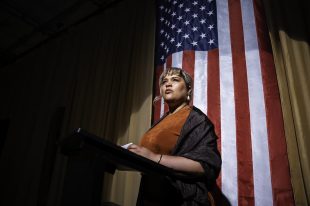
pixel 125 146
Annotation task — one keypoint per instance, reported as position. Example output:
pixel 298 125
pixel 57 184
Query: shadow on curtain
pixel 100 75
pixel 289 26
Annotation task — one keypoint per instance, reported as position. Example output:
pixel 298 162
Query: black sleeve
pixel 200 144
pixel 202 147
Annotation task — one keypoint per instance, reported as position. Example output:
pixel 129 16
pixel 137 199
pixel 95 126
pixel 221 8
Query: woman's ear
pixel 189 92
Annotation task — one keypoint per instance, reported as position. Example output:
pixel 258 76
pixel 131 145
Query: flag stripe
pixel 243 133
pixel 213 95
pixel 177 59
pixel 279 166
pixel 261 167
pixel 188 62
pixel 213 90
pixel 169 61
pixel 228 123
pixel 157 106
pixel 201 80
pixel 162 104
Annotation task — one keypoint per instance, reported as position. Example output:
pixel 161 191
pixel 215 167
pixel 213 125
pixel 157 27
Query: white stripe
pixel 200 80
pixel 228 121
pixel 177 59
pixel 261 163
pixel 162 104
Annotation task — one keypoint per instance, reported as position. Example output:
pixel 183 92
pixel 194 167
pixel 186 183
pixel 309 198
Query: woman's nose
pixel 168 84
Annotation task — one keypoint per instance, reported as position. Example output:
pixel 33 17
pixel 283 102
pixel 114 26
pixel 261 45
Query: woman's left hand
pixel 174 162
pixel 144 152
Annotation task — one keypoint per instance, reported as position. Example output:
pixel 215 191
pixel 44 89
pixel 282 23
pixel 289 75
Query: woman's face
pixel 173 89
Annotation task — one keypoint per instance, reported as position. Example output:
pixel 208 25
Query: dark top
pixel 197 141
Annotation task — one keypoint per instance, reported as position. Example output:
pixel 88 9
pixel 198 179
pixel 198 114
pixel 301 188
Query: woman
pixel 184 140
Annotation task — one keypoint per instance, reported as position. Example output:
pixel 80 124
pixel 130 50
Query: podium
pixel 89 157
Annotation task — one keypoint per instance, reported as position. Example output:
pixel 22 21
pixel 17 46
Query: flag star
pixel 211 41
pixel 162 44
pixel 179 30
pixel 202 8
pixel 161 7
pixel 210 1
pixel 167 50
pixel 187 10
pixel 194 28
pixel 174 2
pixel 186 36
pixel 172 40
pixel 195 3
pixel 203 35
pixel 172 26
pixel 181 5
pixel 166 10
pixel 186 22
pixel 195 15
pixel 178 44
pixel 173 14
pixel 162 19
pixel 180 17
pixel 211 26
pixel 161 31
pixel 210 13
pixel 194 43
pixel 162 58
pixel 202 21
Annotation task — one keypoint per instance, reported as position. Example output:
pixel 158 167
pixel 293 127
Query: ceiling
pixel 24 25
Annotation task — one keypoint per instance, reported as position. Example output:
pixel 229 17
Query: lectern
pixel 90 156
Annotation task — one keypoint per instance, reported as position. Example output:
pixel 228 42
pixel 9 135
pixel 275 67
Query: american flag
pixel 224 45
pixel 185 26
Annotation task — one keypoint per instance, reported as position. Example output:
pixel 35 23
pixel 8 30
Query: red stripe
pixel 188 63
pixel 213 93
pixel 279 166
pixel 168 64
pixel 214 105
pixel 169 61
pixel 243 133
pixel 156 108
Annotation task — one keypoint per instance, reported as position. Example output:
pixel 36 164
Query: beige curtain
pixel 101 73
pixel 289 25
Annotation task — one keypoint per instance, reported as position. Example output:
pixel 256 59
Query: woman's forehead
pixel 171 75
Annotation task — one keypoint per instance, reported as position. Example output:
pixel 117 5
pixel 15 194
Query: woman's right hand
pixel 144 152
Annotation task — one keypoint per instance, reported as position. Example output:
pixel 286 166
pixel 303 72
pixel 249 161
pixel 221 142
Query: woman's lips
pixel 168 91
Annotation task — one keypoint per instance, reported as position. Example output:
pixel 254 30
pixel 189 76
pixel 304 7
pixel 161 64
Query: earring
pixel 188 98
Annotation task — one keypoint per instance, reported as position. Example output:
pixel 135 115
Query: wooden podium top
pixel 116 156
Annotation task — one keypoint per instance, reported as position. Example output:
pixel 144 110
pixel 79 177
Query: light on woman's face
pixel 173 89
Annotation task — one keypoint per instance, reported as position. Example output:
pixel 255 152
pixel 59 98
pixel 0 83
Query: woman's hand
pixel 174 162
pixel 144 152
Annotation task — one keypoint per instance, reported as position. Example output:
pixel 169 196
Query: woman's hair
pixel 179 72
